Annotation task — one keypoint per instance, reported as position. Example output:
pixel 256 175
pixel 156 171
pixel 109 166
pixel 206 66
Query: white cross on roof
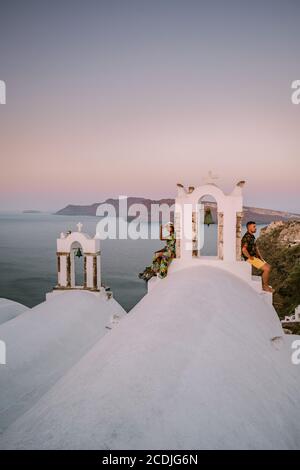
pixel 210 178
pixel 79 226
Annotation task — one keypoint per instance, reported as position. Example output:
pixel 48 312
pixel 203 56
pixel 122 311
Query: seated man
pixel 251 254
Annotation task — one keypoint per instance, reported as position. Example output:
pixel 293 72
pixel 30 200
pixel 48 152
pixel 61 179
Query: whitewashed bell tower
pixel 67 245
pixel 188 223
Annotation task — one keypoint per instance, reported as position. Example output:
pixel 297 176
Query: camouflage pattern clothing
pixel 160 263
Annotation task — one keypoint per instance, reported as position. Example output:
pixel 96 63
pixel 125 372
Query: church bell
pixel 78 253
pixel 208 217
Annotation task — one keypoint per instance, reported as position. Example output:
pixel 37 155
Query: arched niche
pixel 78 266
pixel 201 231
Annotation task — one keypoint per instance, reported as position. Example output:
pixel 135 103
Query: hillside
pixel 280 245
pixel 261 216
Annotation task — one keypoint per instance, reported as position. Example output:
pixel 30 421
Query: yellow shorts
pixel 256 262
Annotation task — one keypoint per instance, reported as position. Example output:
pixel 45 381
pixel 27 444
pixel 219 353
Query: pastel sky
pixel 130 97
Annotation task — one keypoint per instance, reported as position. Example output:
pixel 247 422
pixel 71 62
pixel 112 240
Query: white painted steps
pixel 256 284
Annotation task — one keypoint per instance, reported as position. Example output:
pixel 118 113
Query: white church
pixel 201 362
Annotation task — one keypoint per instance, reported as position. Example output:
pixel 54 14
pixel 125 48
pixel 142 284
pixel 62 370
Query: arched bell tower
pixel 67 245
pixel 229 219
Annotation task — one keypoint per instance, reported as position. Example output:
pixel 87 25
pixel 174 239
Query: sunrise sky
pixel 131 96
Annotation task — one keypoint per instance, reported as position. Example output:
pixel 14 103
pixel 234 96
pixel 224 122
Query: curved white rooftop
pixel 194 365
pixel 10 309
pixel 45 341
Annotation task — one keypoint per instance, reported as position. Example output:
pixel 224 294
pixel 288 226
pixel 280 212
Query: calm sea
pixel 28 257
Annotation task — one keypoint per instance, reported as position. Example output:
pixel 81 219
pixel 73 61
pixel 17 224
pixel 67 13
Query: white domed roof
pixel 192 366
pixel 10 309
pixel 44 342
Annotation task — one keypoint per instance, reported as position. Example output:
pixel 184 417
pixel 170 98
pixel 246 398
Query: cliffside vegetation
pixel 280 246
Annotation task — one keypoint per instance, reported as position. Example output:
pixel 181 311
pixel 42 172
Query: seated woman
pixel 161 259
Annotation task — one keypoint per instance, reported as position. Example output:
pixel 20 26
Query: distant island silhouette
pixel 31 211
pixel 261 216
